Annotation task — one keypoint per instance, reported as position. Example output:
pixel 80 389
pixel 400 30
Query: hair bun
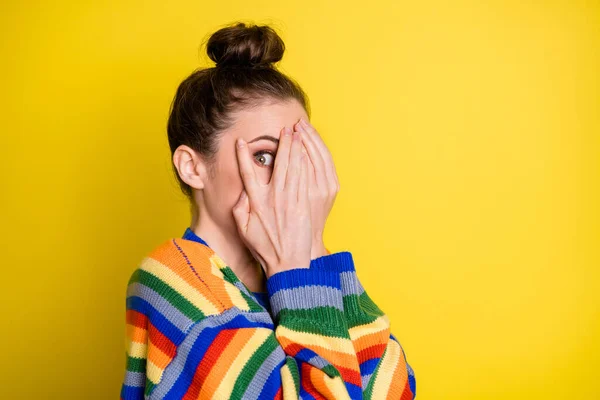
pixel 245 45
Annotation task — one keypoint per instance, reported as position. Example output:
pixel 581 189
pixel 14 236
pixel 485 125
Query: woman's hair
pixel 244 76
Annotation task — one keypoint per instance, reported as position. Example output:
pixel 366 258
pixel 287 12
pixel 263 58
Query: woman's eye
pixel 266 158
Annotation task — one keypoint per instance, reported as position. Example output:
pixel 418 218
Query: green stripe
pixel 360 310
pixel 368 392
pixel 293 366
pixel 369 305
pixel 252 304
pixel 252 366
pixel 325 320
pixel 149 387
pixel 135 364
pixel 331 371
pixel 229 275
pixel 170 294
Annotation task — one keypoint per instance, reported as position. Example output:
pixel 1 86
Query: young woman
pixel 249 303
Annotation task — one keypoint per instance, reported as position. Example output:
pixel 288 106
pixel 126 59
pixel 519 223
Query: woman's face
pixel 260 127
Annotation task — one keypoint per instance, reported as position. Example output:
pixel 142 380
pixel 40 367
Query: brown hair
pixel 244 76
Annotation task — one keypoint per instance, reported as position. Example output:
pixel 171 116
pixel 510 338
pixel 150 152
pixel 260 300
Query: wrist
pixel 318 249
pixel 273 269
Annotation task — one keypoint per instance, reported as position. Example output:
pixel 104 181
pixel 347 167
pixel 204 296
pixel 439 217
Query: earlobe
pixel 190 166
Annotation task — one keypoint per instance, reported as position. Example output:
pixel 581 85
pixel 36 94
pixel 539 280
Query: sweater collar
pixel 189 234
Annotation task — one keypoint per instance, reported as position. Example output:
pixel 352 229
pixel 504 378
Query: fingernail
pixel 243 194
pixel 303 121
pixel 286 131
pixel 241 142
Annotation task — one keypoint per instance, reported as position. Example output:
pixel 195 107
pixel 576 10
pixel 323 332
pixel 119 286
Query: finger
pixel 323 150
pixel 312 175
pixel 315 157
pixel 246 169
pixel 241 211
pixel 303 184
pixel 282 159
pixel 294 167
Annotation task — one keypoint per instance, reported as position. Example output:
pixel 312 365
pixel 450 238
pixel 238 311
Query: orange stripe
pixel 307 382
pixel 172 259
pixel 370 339
pixel 224 360
pixel 336 358
pixel 317 378
pixel 161 341
pixel 407 394
pixel 200 256
pixel 136 334
pixel 399 380
pixel 346 364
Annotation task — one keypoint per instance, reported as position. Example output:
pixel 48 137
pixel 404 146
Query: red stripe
pixel 371 352
pixel 350 375
pixel 406 393
pixel 293 349
pixel 160 341
pixel 209 359
pixel 279 394
pixel 307 383
pixel 136 318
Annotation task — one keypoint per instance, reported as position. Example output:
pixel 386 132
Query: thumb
pixel 241 211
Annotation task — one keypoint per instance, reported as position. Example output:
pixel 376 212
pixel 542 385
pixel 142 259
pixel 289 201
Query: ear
pixel 190 166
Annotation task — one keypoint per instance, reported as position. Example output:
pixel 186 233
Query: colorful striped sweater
pixel 195 331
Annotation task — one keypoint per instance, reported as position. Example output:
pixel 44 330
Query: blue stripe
pixel 298 277
pixel 273 383
pixel 132 393
pixel 341 261
pixel 156 319
pixel 367 367
pixel 184 380
pixel 354 391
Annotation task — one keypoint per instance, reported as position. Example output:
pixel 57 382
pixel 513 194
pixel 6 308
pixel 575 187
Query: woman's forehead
pixel 267 119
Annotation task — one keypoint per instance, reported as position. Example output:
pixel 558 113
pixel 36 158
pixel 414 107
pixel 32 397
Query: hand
pixel 274 219
pixel 323 185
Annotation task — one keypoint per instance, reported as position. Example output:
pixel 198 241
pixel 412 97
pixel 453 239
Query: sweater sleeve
pixel 307 307
pixel 384 369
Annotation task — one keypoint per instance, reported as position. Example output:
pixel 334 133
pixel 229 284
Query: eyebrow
pixel 265 137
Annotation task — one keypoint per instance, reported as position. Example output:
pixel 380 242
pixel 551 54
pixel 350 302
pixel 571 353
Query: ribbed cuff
pixel 313 295
pixel 342 263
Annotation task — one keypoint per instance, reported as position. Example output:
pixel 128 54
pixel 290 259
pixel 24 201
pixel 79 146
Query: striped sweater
pixel 195 331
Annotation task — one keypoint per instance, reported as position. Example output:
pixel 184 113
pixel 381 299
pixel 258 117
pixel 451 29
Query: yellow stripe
pixel 137 349
pixel 162 272
pixel 341 345
pixel 287 381
pixel 378 325
pixel 153 372
pixel 232 291
pixel 389 363
pixel 246 352
pixel 216 264
pixel 336 386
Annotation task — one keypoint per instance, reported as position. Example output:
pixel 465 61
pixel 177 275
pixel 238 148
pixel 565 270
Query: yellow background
pixel 466 138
